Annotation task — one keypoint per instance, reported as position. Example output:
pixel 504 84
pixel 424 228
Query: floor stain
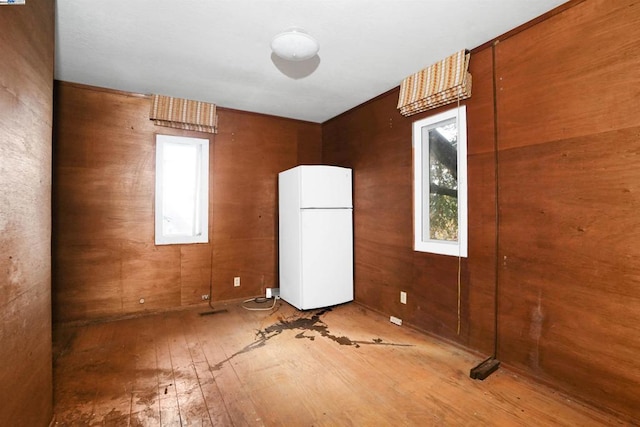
pixel 308 326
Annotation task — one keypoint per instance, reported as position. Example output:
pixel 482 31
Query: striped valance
pixel 184 114
pixel 440 84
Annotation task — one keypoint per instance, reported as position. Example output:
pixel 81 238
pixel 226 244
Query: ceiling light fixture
pixel 294 44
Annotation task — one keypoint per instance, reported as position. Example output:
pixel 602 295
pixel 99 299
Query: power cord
pixel 260 300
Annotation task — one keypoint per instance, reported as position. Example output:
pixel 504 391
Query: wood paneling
pixel 250 150
pixel 286 368
pixel 570 265
pixel 26 49
pixel 195 272
pixel 571 75
pixel 104 254
pixel 375 140
pixel 478 278
pixel 568 137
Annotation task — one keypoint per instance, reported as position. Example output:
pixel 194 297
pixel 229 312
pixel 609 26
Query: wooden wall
pixel 26 70
pixel 375 140
pixel 105 259
pixel 568 137
pixel 569 141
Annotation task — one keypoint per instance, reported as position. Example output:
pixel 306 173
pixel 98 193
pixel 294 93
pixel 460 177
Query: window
pixel 182 190
pixel 440 183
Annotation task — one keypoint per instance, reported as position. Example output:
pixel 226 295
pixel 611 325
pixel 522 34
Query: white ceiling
pixel 219 50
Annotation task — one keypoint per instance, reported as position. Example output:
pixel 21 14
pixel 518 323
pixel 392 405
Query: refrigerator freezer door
pixel 325 187
pixel 327 258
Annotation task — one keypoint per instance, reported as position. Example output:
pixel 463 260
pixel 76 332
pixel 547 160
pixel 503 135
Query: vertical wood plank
pixel 212 394
pixel 151 273
pixel 195 273
pixel 193 407
pixel 216 336
pixel 26 105
pixel 145 399
pixel 167 390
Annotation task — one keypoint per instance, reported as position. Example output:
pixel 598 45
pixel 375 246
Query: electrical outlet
pixel 205 297
pixel 236 281
pixel 395 320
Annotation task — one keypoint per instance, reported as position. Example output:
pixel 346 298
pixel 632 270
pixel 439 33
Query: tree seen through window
pixel 443 181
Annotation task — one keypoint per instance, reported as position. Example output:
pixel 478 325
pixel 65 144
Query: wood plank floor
pixel 346 366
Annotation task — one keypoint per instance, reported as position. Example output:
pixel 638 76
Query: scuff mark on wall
pixel 535 332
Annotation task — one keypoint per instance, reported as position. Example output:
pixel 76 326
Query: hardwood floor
pixel 345 366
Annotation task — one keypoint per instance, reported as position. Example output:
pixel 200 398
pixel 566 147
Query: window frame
pixel 458 248
pixel 202 206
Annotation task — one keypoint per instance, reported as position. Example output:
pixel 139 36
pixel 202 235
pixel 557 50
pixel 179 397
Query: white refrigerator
pixel 315 236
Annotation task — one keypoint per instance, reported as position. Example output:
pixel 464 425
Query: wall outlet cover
pixel 395 320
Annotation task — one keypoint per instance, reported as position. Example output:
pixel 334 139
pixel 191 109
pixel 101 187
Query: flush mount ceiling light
pixel 294 44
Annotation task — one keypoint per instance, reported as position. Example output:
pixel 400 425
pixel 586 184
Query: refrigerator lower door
pixel 327 257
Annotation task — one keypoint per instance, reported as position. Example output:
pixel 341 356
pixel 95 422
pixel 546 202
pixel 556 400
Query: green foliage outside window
pixel 443 183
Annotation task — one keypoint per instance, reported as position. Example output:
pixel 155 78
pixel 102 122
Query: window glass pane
pixel 180 185
pixel 182 190
pixel 441 189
